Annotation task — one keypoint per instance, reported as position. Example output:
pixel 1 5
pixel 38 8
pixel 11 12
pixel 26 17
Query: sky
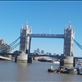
pixel 50 17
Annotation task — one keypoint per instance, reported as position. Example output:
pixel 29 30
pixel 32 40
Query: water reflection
pixel 21 72
pixel 35 72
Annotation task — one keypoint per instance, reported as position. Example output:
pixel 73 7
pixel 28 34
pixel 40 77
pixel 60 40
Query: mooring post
pixel 16 58
pixel 74 62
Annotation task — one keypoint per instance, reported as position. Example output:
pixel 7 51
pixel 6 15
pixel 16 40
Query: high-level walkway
pixel 47 35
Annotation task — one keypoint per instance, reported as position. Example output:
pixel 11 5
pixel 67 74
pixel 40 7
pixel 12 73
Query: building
pixel 4 48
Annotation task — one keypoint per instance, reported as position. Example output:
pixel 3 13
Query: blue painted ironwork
pixel 47 35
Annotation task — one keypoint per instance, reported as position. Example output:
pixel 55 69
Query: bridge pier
pixel 29 60
pixel 69 62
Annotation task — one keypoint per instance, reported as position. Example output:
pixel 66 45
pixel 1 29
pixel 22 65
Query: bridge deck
pixel 78 57
pixel 5 58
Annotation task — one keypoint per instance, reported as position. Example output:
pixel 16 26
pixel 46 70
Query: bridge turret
pixel 25 42
pixel 68 41
pixel 23 37
pixel 68 46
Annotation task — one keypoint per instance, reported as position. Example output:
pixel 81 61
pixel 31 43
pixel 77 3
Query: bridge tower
pixel 25 43
pixel 68 45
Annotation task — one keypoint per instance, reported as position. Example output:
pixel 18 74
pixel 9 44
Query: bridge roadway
pixel 78 57
pixel 42 55
pixel 4 58
pixel 47 35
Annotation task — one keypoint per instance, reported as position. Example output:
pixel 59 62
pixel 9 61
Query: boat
pixel 45 60
pixel 79 68
pixel 51 69
pixel 56 62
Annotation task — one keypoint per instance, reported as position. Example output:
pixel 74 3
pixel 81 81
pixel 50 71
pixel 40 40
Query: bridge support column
pixel 28 49
pixel 68 47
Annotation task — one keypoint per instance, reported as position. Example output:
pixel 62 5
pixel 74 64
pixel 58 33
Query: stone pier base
pixel 68 62
pixel 22 57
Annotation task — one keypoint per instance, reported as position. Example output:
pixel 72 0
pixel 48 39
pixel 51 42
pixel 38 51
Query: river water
pixel 35 72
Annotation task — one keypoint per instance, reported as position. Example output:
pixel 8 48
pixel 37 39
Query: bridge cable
pixel 14 41
pixel 80 46
pixel 12 45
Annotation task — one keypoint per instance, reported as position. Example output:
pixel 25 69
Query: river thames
pixel 35 72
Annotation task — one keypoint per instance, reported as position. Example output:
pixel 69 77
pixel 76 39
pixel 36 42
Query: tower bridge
pixel 25 42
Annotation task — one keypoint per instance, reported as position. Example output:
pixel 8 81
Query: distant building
pixel 4 47
pixel 1 41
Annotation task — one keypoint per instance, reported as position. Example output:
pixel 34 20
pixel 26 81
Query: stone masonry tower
pixel 24 42
pixel 68 41
pixel 68 45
